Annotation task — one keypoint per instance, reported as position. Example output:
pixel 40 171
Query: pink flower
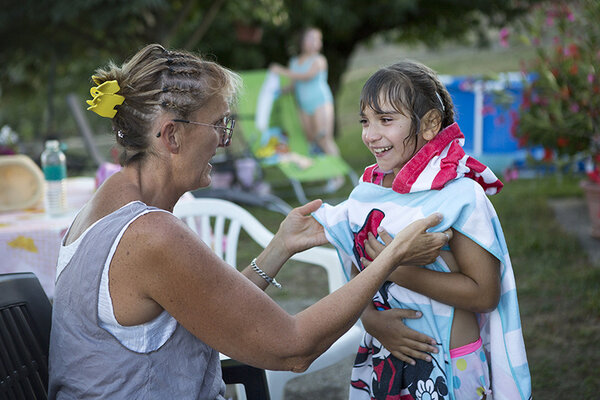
pixel 574 69
pixel 504 33
pixel 465 86
pixel 571 50
pixel 550 21
pixel 574 107
pixel 570 17
pixel 510 173
pixel 590 78
pixel 488 110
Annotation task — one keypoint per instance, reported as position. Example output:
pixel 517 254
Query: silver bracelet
pixel 263 275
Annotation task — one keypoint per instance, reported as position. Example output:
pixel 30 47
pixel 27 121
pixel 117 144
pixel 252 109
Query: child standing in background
pixel 467 298
pixel 308 72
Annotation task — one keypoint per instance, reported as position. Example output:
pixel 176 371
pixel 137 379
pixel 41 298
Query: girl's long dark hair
pixel 410 88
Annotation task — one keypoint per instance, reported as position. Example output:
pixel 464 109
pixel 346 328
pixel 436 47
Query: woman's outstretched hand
pixel 420 247
pixel 300 231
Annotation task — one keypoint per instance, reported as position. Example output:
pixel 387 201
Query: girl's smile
pixel 378 151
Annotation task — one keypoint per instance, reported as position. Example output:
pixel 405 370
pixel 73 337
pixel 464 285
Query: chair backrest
pixel 284 113
pixel 215 219
pixel 25 319
pixel 219 223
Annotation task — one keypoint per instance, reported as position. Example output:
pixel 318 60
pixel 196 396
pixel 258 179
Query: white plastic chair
pixel 211 215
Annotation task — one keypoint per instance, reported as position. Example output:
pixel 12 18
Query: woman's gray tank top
pixel 86 361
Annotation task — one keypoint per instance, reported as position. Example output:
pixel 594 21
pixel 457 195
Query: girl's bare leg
pixel 307 125
pixel 323 123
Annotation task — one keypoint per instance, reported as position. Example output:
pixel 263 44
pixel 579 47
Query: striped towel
pixel 462 200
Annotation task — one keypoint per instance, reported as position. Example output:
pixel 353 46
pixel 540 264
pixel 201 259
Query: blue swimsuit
pixel 312 93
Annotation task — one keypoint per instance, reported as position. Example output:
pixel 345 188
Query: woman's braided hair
pixel 411 89
pixel 156 80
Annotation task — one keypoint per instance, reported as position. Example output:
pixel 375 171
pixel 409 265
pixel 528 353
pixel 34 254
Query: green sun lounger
pixel 284 115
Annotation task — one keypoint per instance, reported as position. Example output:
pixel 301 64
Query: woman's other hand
pixel 424 247
pixel 300 231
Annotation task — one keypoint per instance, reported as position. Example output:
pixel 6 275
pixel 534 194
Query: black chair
pixel 253 379
pixel 25 318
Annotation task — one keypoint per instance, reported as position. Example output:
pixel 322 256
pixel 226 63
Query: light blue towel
pixel 467 210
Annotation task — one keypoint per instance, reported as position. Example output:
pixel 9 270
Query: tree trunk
pixel 207 20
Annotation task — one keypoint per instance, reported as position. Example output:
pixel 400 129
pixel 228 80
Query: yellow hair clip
pixel 105 98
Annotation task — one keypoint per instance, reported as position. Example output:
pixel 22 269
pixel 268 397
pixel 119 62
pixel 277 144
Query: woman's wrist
pixel 273 256
pixel 279 248
pixel 263 269
pixel 391 266
pixel 264 275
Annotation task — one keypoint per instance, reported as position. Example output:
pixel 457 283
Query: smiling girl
pixel 462 338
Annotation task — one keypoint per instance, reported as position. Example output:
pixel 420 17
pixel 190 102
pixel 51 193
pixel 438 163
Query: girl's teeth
pixel 382 149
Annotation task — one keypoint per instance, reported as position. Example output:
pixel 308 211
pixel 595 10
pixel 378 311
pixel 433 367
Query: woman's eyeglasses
pixel 226 126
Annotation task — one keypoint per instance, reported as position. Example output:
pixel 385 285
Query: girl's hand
pixel 300 231
pixel 403 342
pixel 374 247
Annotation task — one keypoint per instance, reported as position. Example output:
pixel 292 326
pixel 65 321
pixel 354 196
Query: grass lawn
pixel 558 290
pixel 557 284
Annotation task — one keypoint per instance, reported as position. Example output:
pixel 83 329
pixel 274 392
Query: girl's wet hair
pixel 409 88
pixel 156 80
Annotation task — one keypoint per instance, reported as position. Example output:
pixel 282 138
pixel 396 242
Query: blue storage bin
pixel 485 123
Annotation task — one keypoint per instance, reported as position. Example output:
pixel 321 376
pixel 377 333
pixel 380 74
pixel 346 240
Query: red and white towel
pixel 440 161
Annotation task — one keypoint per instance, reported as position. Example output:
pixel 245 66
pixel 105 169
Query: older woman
pixel 142 306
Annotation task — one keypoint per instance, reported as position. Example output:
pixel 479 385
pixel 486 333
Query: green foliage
pixel 50 48
pixel 561 106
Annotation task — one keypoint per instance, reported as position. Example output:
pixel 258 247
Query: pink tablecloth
pixel 30 240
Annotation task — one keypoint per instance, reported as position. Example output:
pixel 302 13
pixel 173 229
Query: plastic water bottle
pixel 54 165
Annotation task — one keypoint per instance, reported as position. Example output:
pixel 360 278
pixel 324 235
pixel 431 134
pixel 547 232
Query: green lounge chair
pixel 284 115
